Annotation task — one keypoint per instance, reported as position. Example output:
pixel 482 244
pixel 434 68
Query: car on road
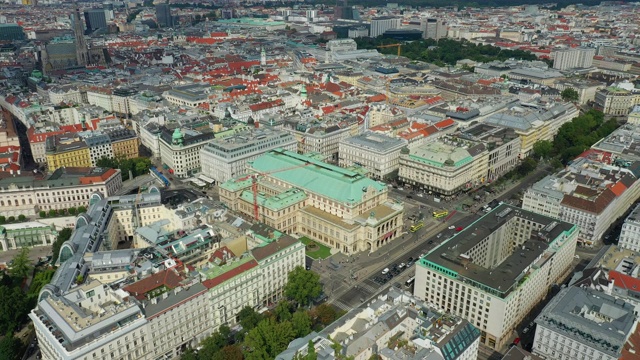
pixel 430 242
pixel 451 227
pixel 439 236
pixel 526 330
pixel 401 266
pixel 385 271
pixel 410 259
pixel 516 341
pixel 409 197
pixel 459 228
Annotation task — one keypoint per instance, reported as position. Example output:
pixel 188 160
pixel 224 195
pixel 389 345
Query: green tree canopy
pixel 282 311
pixel 21 265
pixel 301 322
pixel 249 318
pixel 302 286
pixel 268 339
pixel 543 149
pixel 570 94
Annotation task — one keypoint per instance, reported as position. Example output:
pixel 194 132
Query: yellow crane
pixel 392 45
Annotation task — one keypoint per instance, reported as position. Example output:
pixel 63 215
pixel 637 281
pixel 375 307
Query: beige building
pixel 616 100
pixel 378 153
pixel 446 166
pixel 338 207
pixel 497 269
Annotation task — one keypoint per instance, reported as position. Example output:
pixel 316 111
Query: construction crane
pixel 254 185
pixel 392 45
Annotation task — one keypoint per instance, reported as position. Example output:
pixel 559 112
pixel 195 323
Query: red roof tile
pixel 169 278
pixel 211 283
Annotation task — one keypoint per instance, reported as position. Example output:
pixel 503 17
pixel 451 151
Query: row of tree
pixel 11 219
pixel 263 336
pixel 62 212
pixel 445 51
pixel 137 166
pixel 575 136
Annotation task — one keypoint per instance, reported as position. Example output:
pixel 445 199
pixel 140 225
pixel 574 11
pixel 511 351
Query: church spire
pixel 82 55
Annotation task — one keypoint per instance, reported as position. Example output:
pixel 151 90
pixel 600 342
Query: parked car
pixel 385 271
pixel 451 227
pixel 459 228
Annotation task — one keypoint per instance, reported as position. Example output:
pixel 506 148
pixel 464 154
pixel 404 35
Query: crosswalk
pixel 341 305
pixel 367 287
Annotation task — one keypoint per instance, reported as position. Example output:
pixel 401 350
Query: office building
pixel 225 158
pixel 503 145
pixel 163 15
pixel 27 194
pixel 11 32
pixel 445 166
pixel 583 323
pixel 377 153
pixel 95 19
pixel 340 208
pixel 381 24
pixel 587 193
pixel 433 28
pixel 497 269
pixel 573 58
pixel 180 150
pixel 617 100
pixel 108 10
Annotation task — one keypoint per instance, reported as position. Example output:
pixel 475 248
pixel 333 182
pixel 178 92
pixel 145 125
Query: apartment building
pixel 323 138
pixel 100 97
pixel 383 23
pixel 372 330
pixel 27 194
pixel 503 146
pixel 583 323
pixel 379 154
pixel 564 59
pixel 533 123
pixel 227 157
pixel 493 272
pixel 99 146
pixel 180 151
pixel 445 166
pixel 124 143
pixel 630 233
pixel 588 193
pixel 160 309
pixel 301 194
pixel 586 89
pixel 192 95
pixel 616 100
pixel 65 94
pixel 67 150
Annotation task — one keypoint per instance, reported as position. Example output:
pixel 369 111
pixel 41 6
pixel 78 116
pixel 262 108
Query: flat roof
pixel 450 255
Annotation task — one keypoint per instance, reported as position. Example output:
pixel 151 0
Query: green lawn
pixel 322 252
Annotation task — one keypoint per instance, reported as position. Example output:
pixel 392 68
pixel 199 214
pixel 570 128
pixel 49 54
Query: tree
pixel 268 339
pixel 3 219
pixel 43 214
pixel 542 149
pixel 302 286
pixel 63 235
pixel 21 218
pixel 311 351
pixel 13 308
pixel 282 311
pixel 53 212
pixel 10 347
pixel 21 265
pixel 248 318
pixel 527 166
pixel 570 94
pixel 324 314
pixel 11 219
pixel 214 343
pixel 189 354
pixel 73 211
pixel 229 352
pixel 301 323
pixel 82 209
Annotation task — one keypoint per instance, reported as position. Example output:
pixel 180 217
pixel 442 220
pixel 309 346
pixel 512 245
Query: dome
pixel 176 134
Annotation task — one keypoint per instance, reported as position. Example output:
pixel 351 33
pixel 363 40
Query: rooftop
pixel 502 275
pixel 375 142
pixel 590 317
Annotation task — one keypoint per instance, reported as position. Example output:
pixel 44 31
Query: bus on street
pixel 440 213
pixel 416 227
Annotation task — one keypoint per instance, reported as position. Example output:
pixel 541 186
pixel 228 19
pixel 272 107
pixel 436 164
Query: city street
pixel 349 280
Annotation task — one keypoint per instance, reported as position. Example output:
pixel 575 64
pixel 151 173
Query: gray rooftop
pixel 591 317
pixel 504 276
pixel 376 142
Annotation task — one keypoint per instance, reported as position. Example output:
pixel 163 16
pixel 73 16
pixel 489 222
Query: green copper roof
pixel 342 185
pixel 278 202
pixel 177 134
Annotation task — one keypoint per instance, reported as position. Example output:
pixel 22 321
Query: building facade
pixel 630 234
pixel 381 24
pixel 573 58
pixel 181 152
pixel 338 207
pixel 378 153
pixel 582 323
pixel 66 150
pixel 225 158
pixel 493 272
pixel 446 166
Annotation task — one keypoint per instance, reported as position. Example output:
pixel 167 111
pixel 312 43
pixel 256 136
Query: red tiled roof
pixel 211 283
pixel 618 188
pixel 596 206
pixel 445 123
pixel 168 278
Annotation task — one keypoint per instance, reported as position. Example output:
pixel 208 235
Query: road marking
pixel 341 305
pixel 367 287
